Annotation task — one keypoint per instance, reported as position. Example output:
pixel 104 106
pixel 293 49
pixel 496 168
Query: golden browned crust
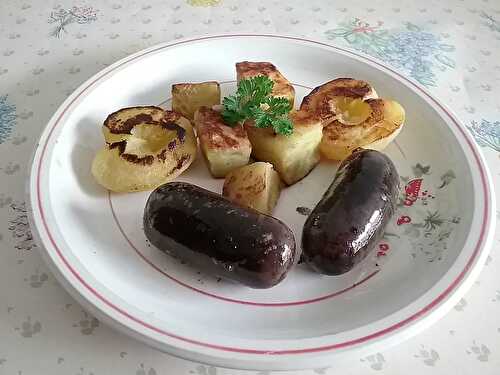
pixel 282 86
pixel 171 116
pixel 181 163
pixel 144 160
pixel 176 87
pixel 250 68
pixel 367 131
pixel 318 100
pixel 377 111
pixel 256 186
pixel 123 120
pixel 350 87
pixel 169 122
pixel 214 134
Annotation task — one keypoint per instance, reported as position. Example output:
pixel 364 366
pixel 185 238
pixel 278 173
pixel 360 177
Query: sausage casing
pixel 218 236
pixel 351 217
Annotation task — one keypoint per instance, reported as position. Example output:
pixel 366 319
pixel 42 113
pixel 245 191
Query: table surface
pixel 48 48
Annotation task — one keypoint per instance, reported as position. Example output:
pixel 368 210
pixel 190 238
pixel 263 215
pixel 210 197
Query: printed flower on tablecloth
pixel 490 22
pixel 20 228
pixel 429 235
pixel 410 49
pixel 422 219
pixel 486 133
pixel 203 3
pixel 7 118
pixel 64 17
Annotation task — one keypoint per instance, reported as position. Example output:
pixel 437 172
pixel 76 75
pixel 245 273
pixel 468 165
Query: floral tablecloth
pixel 47 48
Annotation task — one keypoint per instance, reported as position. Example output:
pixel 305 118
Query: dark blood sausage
pixel 353 213
pixel 214 234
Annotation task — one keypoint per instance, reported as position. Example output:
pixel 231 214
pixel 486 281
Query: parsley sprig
pixel 253 101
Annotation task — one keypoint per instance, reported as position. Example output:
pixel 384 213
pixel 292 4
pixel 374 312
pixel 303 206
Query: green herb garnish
pixel 253 101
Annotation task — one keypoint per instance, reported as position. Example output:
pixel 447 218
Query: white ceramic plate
pixel 93 240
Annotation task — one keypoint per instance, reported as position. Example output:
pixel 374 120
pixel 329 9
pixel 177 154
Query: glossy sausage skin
pixel 214 234
pixel 353 213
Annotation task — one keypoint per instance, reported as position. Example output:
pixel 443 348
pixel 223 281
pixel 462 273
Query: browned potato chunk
pixel 188 97
pixel 146 147
pixel 282 87
pixel 256 185
pixel 225 148
pixel 293 156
